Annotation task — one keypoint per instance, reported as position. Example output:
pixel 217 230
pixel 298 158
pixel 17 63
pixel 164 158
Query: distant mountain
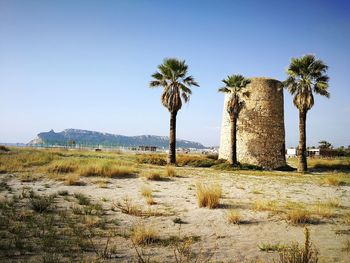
pixel 84 137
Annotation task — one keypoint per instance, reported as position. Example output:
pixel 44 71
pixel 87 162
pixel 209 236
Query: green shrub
pixel 42 203
pixel 82 199
pixel 297 254
pixel 195 161
pixel 4 148
pixel 155 159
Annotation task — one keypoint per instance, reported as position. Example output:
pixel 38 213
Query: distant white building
pixel 313 152
pixel 291 152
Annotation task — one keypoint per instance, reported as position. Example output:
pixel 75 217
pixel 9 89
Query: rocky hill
pixel 84 137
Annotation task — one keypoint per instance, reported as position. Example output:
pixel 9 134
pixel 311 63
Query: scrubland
pixel 69 205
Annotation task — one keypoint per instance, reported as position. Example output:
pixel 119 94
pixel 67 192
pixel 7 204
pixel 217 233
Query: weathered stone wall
pixel 260 135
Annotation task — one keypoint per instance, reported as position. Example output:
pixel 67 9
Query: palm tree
pixel 234 85
pixel 172 77
pixel 307 75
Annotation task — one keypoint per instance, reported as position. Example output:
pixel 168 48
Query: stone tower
pixel 260 134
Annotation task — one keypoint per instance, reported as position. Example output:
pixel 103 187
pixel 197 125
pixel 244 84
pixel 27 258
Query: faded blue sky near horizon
pixel 87 64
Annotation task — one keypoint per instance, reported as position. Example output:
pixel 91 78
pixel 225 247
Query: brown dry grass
pixel 265 205
pixel 106 169
pixel 170 171
pixel 208 195
pixel 72 179
pixel 144 235
pixel 152 175
pixel 299 216
pixel 233 216
pixel 146 192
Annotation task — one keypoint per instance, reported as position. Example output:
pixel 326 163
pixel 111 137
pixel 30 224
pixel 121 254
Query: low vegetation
pixel 75 224
pixel 146 192
pixel 106 169
pixel 298 254
pixel 41 203
pixel 144 235
pixel 208 195
pixel 233 217
pixel 4 148
pixel 152 175
pixel 300 216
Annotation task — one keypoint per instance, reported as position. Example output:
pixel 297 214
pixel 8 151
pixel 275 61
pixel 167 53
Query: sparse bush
pixel 63 193
pixel 128 207
pixel 195 161
pixel 42 203
pixel 155 159
pixel 297 254
pixel 226 166
pixel 142 235
pixel 208 195
pixel 268 247
pixel 4 148
pixel 82 199
pixel 213 156
pixel 233 217
pixel 331 164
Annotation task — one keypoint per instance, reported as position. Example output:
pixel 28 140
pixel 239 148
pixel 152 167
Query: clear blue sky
pixel 87 64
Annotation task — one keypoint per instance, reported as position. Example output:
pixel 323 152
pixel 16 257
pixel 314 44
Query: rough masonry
pixel 260 135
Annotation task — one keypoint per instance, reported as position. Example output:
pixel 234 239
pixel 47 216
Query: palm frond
pixel 306 75
pixel 172 76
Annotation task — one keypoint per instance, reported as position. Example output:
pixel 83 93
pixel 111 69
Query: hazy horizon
pixel 87 65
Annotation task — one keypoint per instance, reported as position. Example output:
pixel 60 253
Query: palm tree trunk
pixel 233 138
pixel 172 138
pixel 302 164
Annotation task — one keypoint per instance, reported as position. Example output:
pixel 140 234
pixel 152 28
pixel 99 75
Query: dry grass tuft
pixel 72 179
pixel 152 175
pixel 142 235
pixel 170 171
pixel 333 180
pixel 127 206
pixel 146 192
pixel 333 203
pixel 233 217
pixel 208 195
pixel 323 211
pixel 265 205
pixel 300 216
pixel 347 218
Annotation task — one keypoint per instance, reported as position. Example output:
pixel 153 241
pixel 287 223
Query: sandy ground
pixel 219 241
